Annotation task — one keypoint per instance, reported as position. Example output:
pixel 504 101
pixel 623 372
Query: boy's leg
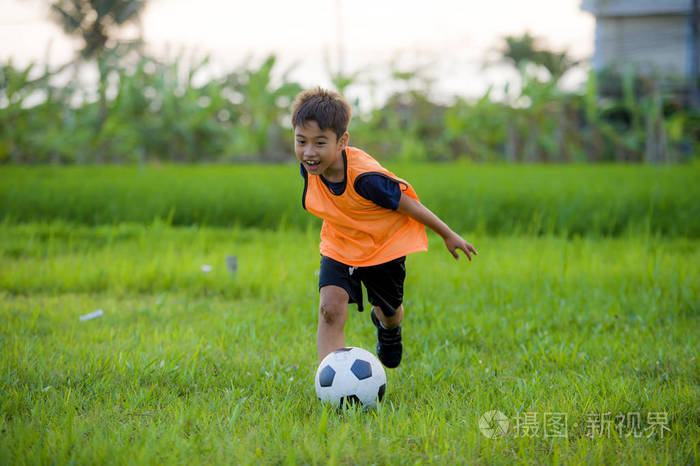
pixel 333 311
pixel 389 345
pixel 337 288
pixel 389 322
pixel 384 285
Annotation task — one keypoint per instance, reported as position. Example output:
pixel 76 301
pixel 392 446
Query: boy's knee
pixel 332 312
pixel 334 305
pixel 389 320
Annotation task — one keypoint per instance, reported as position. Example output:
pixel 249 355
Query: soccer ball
pixel 351 375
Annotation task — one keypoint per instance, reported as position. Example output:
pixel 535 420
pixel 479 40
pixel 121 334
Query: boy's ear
pixel 343 141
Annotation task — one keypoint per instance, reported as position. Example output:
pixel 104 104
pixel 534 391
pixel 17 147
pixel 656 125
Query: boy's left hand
pixel 453 242
pixel 420 213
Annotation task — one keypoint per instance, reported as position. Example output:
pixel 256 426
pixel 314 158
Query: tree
pixel 97 23
pixel 544 122
pixel 525 49
pixel 519 50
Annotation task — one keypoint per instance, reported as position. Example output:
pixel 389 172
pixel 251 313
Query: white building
pixel 653 35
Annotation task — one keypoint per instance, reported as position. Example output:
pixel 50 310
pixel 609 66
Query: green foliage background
pixel 178 111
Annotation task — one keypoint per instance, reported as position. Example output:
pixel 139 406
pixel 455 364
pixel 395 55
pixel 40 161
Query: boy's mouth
pixel 312 164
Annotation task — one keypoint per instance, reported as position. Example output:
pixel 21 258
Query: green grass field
pixel 188 367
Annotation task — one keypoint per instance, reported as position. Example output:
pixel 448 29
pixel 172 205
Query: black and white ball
pixel 351 375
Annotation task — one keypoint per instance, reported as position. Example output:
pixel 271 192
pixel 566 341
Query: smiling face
pixel 320 150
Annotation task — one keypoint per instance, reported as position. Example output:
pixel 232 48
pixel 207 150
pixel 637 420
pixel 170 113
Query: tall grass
pixel 566 200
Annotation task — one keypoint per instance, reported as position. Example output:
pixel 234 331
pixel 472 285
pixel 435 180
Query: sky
pixel 449 39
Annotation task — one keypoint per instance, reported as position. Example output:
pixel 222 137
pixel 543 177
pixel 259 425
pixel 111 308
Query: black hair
pixel 327 108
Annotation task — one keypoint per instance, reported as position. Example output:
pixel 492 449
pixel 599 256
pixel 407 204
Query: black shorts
pixel 384 282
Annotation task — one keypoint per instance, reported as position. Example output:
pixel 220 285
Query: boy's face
pixel 319 151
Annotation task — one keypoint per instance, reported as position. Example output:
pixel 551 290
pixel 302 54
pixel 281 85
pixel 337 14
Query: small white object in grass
pixel 46 388
pixel 92 315
pixel 206 268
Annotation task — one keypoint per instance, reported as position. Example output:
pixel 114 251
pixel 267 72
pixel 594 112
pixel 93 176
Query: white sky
pixel 451 37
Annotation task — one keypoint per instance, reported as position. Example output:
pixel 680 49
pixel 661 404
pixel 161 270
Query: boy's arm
pixel 420 213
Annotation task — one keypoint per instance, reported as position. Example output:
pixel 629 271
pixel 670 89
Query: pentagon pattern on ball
pixel 325 379
pixel 382 389
pixel 361 369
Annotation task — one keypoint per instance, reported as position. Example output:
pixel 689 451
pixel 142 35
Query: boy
pixel 371 220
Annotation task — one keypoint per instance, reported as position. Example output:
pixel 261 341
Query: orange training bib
pixel 356 231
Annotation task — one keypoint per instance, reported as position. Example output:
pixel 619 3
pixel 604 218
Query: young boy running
pixel 371 220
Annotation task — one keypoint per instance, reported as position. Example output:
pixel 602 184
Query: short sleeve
pixel 380 189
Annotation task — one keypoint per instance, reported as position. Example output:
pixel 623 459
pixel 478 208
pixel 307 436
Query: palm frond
pixel 68 20
pixel 128 11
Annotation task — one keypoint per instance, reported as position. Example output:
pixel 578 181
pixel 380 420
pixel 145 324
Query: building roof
pixel 610 8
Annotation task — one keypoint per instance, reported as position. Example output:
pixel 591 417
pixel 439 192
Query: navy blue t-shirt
pixel 377 188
